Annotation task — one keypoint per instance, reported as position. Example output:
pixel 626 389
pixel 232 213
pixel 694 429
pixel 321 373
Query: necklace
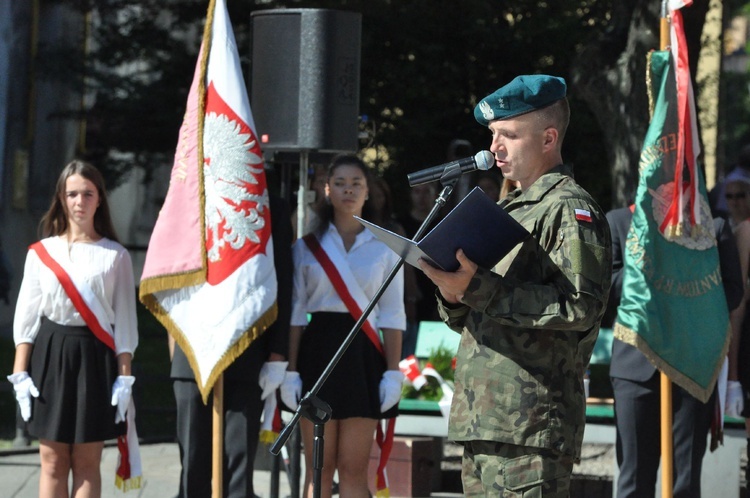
pixel 84 239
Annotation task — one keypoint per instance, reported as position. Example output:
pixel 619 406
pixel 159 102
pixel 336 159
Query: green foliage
pixel 431 391
pixel 736 109
pixel 441 359
pixel 424 66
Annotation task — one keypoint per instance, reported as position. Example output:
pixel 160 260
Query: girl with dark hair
pixel 55 221
pixel 365 386
pixel 75 331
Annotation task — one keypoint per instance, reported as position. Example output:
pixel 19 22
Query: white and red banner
pixel 209 272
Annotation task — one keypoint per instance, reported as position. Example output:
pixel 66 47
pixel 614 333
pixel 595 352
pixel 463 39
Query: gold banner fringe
pixel 170 282
pixel 382 493
pixel 207 39
pixel 629 336
pixel 268 437
pixel 649 88
pixel 129 484
pixel 239 347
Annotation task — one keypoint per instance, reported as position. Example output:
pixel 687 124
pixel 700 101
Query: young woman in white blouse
pixel 75 331
pixel 366 384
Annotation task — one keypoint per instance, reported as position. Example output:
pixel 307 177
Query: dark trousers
pixel 242 412
pixel 638 438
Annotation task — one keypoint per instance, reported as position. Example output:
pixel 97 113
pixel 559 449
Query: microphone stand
pixel 318 411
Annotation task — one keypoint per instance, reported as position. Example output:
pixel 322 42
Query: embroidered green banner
pixel 673 307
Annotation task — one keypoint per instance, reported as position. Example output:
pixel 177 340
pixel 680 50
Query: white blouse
pixel 370 261
pixel 107 268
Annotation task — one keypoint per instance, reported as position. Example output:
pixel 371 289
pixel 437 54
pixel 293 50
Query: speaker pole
pixel 302 193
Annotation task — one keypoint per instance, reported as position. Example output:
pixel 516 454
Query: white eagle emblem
pixel 487 111
pixel 233 212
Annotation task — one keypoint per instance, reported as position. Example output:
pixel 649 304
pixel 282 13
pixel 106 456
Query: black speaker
pixel 305 79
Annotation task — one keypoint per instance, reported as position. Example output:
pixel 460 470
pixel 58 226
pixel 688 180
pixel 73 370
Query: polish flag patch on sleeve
pixel 583 215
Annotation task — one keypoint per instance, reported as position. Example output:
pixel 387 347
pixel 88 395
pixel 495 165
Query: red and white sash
pixel 128 472
pixel 81 295
pixel 343 281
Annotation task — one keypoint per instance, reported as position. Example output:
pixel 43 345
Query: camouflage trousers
pixel 493 469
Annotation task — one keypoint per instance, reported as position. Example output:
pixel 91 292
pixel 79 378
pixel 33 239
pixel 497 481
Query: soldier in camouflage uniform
pixel 528 326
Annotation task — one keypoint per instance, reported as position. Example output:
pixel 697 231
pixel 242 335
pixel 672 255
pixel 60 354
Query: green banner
pixel 673 307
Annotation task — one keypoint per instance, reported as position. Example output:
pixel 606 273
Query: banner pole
pixel 667 447
pixel 667 458
pixel 302 194
pixel 217 462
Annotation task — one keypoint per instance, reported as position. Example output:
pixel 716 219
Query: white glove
pixel 390 389
pixel 291 390
pixel 24 388
pixel 121 391
pixel 735 402
pixel 271 376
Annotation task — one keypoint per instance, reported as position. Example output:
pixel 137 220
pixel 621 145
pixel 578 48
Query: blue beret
pixel 524 94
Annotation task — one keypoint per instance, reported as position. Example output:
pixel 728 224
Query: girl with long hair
pixel 365 386
pixel 75 331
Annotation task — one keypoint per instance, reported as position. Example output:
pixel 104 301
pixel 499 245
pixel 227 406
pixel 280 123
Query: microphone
pixel 483 160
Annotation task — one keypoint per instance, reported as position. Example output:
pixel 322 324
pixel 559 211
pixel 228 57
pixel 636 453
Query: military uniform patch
pixel 583 215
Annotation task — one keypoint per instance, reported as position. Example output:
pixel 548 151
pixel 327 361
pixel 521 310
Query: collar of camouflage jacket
pixel 544 184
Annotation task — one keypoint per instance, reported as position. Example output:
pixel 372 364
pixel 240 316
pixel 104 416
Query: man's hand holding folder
pixel 452 285
pixel 478 226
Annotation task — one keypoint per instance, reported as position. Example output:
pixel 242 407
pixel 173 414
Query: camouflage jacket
pixel 528 327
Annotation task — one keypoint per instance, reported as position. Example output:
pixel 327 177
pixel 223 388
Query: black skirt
pixel 74 372
pixel 353 388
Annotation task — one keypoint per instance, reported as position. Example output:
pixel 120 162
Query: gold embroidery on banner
pixel 629 336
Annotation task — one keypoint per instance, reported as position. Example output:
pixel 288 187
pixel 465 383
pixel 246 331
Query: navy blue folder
pixel 477 225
